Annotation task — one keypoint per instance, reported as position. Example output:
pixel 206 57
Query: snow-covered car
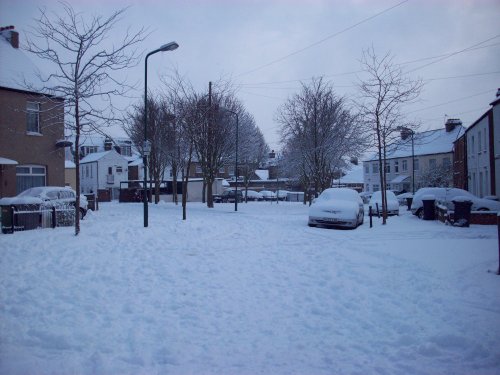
pixel 282 194
pixel 402 198
pixel 268 195
pixel 446 196
pixel 252 195
pixel 392 202
pixel 49 195
pixel 342 207
pixel 365 196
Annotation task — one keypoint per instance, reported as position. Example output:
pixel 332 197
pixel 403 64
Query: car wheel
pixel 420 213
pixel 362 219
pixel 311 225
pixel 483 209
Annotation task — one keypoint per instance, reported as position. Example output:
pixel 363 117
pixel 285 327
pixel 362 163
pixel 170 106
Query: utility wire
pixel 322 40
pixel 441 57
pixel 451 101
pixel 453 54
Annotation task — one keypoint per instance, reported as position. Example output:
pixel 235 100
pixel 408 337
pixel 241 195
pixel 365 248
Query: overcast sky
pixel 266 47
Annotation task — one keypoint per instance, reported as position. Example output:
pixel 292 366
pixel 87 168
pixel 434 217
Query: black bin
pixel 7 219
pixel 461 216
pixel 429 207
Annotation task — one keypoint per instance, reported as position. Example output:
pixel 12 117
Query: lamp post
pixel 236 160
pixel 147 145
pixel 404 134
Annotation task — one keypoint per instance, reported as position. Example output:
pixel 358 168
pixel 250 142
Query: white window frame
pixel 33 171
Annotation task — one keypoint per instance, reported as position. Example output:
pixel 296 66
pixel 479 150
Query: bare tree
pixel 321 130
pixel 252 150
pixel 383 94
pixel 160 118
pixel 85 69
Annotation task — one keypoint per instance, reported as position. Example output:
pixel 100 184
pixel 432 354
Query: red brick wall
pixel 16 144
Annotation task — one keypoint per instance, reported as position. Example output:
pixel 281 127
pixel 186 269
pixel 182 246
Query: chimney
pixel 108 144
pixel 10 35
pixel 451 123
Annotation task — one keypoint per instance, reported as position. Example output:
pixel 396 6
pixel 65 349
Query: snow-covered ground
pixel 252 292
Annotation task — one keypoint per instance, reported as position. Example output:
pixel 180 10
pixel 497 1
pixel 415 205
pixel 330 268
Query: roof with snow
pixel 263 174
pixel 95 156
pixel 430 142
pixel 353 176
pixel 16 68
pixel 68 164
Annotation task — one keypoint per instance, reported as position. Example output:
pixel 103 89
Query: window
pixel 375 168
pixel 126 150
pixel 222 170
pixel 28 176
pixel 33 117
pixel 396 167
pixel 367 168
pixel 432 163
pixel 110 170
pixel 198 169
pixel 404 165
pixel 473 148
pixel 87 171
pixel 387 167
pixel 485 143
pixel 416 165
pixel 479 148
pixel 85 150
pixel 119 169
pixel 446 162
pixel 376 188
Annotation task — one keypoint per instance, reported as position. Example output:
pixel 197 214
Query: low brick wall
pixel 476 217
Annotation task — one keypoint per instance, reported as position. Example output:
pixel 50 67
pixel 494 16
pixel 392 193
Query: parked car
pixel 282 194
pixel 392 202
pixel 341 207
pixel 446 196
pixel 365 196
pixel 228 196
pixel 268 195
pixel 252 195
pixel 49 195
pixel 403 197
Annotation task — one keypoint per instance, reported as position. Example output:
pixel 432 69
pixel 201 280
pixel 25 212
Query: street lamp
pixel 147 145
pixel 404 134
pixel 236 160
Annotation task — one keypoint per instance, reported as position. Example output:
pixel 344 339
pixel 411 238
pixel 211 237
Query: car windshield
pixel 337 194
pixel 33 192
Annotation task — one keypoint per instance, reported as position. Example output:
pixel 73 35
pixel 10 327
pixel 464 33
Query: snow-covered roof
pixel 263 174
pixel 135 162
pixel 5 161
pixel 353 176
pixel 68 164
pixel 95 156
pixel 16 67
pixel 430 142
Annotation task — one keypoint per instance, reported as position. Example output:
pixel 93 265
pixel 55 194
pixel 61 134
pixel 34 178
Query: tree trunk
pixel 77 164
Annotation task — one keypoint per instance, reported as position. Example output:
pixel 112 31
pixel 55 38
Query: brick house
pixel 31 124
pixel 477 154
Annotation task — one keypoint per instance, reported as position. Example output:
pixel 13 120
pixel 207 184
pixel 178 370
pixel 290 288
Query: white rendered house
pixel 103 170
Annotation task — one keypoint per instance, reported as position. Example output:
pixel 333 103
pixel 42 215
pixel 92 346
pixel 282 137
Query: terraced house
pixel 31 124
pixel 416 160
